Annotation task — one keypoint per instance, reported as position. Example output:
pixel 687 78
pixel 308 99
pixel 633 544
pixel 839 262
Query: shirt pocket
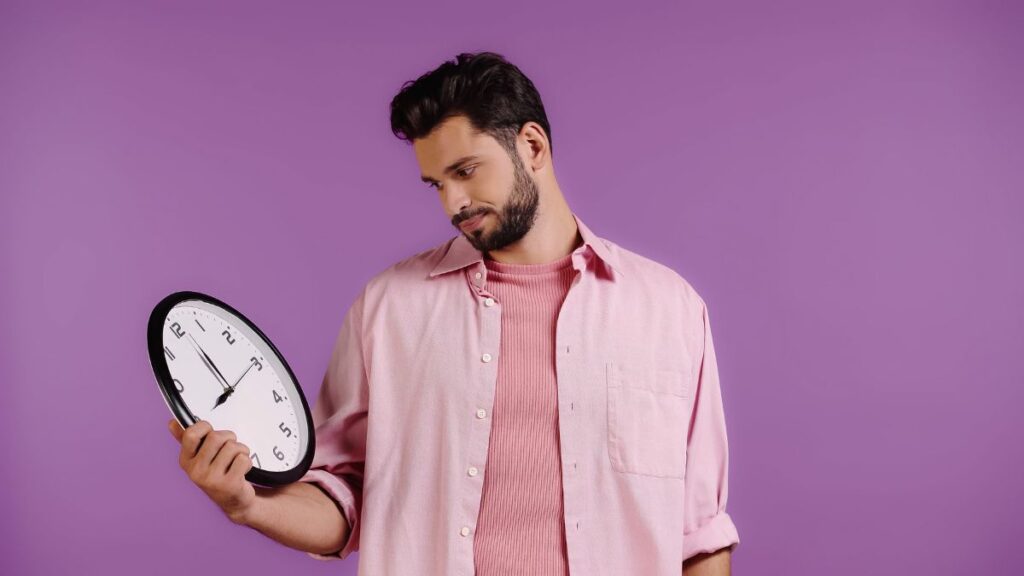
pixel 647 420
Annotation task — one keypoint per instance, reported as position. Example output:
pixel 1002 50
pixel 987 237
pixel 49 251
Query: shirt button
pixel 481 413
pixel 486 357
pixel 464 531
pixel 489 302
pixel 472 471
pixel 478 275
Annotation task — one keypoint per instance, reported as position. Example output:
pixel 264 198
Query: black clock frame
pixel 154 336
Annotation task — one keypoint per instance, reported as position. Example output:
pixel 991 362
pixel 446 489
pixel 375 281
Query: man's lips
pixel 467 225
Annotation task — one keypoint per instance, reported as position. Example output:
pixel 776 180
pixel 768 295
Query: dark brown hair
pixel 493 94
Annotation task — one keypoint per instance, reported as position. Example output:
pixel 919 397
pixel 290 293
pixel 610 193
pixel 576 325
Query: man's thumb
pixel 176 430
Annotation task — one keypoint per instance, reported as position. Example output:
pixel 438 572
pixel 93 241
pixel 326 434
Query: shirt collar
pixel 461 253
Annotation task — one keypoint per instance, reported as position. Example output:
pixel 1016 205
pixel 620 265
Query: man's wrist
pixel 247 515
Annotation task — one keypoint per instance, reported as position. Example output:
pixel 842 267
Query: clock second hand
pixel 223 397
pixel 209 363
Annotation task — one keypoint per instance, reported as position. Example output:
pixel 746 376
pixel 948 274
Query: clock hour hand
pixel 224 396
pixel 209 363
pixel 239 379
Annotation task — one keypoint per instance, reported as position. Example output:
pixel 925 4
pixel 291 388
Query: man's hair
pixel 493 94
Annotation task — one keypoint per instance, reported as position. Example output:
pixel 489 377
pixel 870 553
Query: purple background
pixel 843 186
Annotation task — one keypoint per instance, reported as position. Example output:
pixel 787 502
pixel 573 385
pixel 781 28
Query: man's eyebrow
pixel 452 166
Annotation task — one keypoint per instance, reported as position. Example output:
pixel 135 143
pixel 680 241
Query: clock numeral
pixel 200 325
pixel 278 453
pixel 286 430
pixel 228 334
pixel 176 329
pixel 178 385
pixel 259 367
pixel 169 353
pixel 277 397
pixel 256 458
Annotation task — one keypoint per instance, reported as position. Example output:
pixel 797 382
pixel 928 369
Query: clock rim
pixel 180 410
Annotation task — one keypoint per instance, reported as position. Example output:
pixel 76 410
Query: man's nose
pixel 456 200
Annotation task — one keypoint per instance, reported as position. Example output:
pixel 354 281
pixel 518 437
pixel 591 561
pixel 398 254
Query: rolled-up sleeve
pixel 339 420
pixel 706 525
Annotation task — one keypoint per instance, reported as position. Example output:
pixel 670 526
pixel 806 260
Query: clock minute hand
pixel 209 363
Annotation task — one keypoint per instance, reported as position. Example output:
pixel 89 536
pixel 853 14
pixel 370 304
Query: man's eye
pixel 461 172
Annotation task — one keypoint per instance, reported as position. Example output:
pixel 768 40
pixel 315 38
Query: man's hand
pixel 715 563
pixel 298 515
pixel 217 463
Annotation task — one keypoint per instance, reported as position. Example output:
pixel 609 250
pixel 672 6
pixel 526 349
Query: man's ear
pixel 537 149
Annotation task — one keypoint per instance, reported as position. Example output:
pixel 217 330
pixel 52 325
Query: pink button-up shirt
pixel 404 412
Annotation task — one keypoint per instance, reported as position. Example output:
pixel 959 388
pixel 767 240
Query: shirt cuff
pixel 342 495
pixel 716 533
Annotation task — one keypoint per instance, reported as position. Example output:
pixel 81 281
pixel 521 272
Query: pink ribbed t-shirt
pixel 520 529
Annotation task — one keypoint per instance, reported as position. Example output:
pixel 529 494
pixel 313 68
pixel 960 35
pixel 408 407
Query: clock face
pixel 222 369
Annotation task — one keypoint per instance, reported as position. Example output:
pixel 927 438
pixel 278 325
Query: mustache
pixel 460 218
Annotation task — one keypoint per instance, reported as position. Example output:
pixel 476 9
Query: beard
pixel 516 217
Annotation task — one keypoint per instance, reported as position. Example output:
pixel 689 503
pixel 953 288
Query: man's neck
pixel 552 237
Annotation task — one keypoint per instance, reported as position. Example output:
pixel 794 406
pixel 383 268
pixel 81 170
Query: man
pixel 524 398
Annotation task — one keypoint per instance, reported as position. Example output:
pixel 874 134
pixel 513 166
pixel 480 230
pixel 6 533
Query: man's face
pixel 482 179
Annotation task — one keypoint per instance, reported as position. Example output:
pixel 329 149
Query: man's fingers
pixel 176 430
pixel 240 465
pixel 192 437
pixel 213 443
pixel 222 461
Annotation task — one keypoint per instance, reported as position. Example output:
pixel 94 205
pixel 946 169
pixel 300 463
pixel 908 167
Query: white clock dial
pixel 229 376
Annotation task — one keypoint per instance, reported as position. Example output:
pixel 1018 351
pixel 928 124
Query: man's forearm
pixel 716 563
pixel 298 515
